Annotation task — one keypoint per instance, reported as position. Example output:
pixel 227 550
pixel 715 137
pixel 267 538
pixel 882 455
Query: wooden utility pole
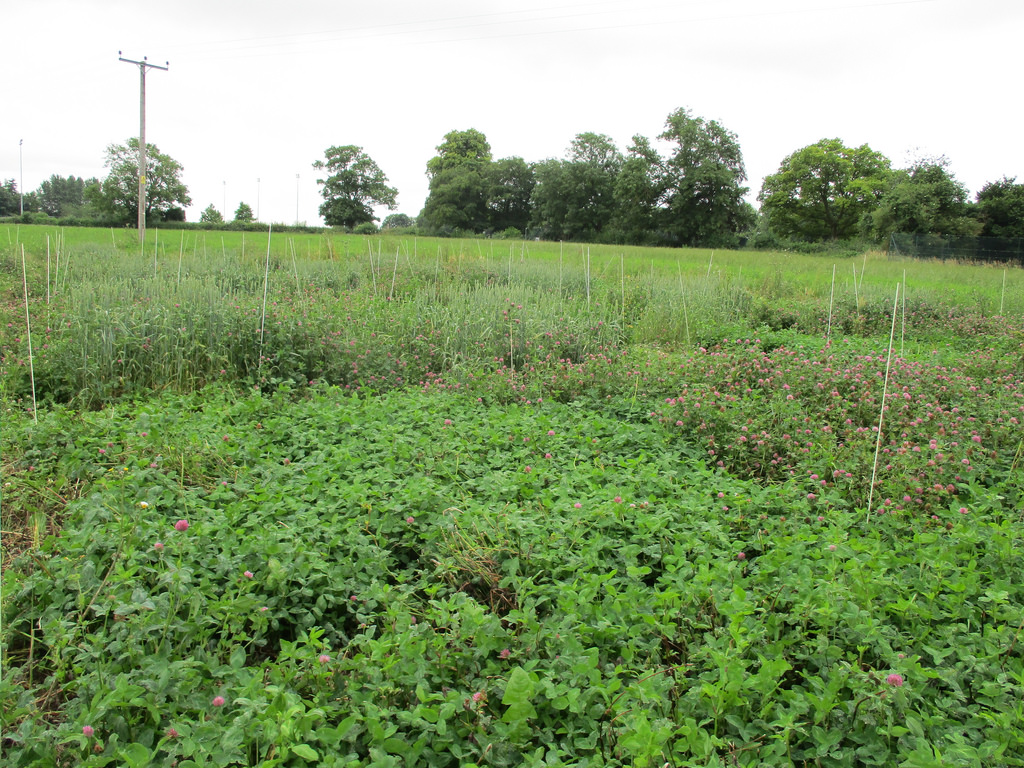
pixel 143 66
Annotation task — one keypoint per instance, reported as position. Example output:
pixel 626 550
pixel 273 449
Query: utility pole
pixel 143 66
pixel 21 171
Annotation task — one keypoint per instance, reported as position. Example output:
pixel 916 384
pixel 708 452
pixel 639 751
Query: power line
pixel 293 41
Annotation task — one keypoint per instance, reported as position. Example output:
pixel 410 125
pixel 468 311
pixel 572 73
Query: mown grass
pixel 462 509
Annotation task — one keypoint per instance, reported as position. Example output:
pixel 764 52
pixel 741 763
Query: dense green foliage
pixel 11 200
pixel 353 184
pixel 595 194
pixel 824 190
pixel 574 198
pixel 211 215
pixel 118 194
pixel 1002 208
pixel 59 196
pixel 924 199
pixel 244 213
pixel 465 508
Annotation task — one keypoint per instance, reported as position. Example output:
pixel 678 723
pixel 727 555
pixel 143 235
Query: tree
pixel 824 190
pixel 510 185
pixel 59 196
pixel 574 199
pixel 460 183
pixel 641 196
pixel 10 200
pixel 1001 208
pixel 244 212
pixel 118 195
pixel 924 199
pixel 703 182
pixel 397 221
pixel 460 148
pixel 211 215
pixel 354 185
pixel 457 200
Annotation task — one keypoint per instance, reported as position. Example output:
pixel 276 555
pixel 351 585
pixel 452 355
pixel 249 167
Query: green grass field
pixel 391 501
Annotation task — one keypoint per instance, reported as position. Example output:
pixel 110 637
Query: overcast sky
pixel 258 89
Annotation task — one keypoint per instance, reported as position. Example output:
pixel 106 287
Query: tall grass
pixel 385 312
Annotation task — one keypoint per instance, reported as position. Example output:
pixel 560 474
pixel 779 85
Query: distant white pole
pixel 21 172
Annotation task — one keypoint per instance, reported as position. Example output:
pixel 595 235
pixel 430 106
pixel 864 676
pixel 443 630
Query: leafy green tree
pixel 924 199
pixel 60 196
pixel 1001 208
pixel 574 199
pixel 244 212
pixel 10 200
pixel 457 199
pixel 460 183
pixel 397 221
pixel 354 184
pixel 459 148
pixel 703 182
pixel 641 196
pixel 510 185
pixel 211 215
pixel 824 191
pixel 118 194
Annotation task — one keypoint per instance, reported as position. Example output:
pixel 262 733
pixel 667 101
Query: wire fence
pixel 978 249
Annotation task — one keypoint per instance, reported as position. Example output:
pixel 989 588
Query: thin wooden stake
pixel 373 274
pixel 47 270
pixel 181 251
pixel 560 268
pixel 831 295
pixel 588 277
pixel 710 261
pixel 295 266
pixel 263 316
pixel 856 293
pixel 682 293
pixel 622 286
pixel 28 329
pixel 881 411
pixel 903 313
pixel 394 273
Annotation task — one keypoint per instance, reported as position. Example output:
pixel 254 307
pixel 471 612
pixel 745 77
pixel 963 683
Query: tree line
pixel 684 188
